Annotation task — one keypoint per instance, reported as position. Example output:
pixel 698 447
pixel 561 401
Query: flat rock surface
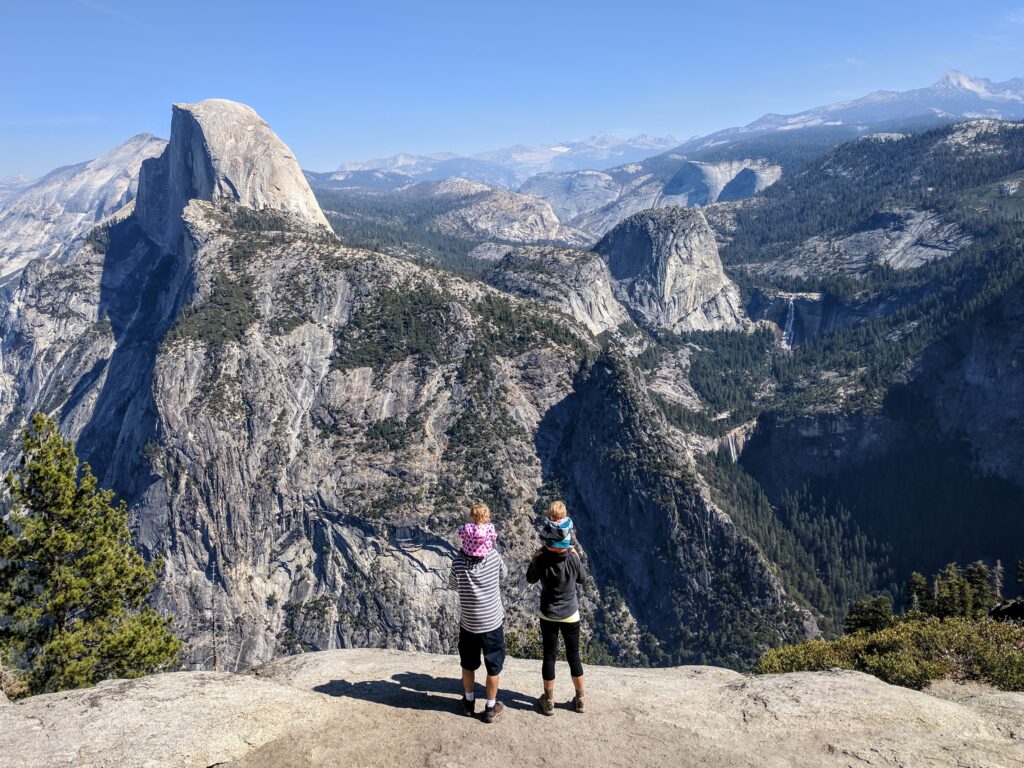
pixel 388 708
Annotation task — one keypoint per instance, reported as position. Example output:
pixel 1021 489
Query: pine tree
pixel 870 614
pixel 1020 573
pixel 919 594
pixel 997 580
pixel 71 583
pixel 953 596
pixel 983 596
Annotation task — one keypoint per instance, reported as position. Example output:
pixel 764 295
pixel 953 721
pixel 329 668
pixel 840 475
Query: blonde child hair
pixel 557 510
pixel 480 513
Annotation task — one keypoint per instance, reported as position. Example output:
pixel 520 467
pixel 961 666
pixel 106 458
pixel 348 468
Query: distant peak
pixel 954 78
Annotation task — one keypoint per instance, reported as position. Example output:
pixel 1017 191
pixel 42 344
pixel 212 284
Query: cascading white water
pixel 787 332
pixel 733 452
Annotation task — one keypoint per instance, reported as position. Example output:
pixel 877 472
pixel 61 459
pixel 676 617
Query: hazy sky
pixel 350 81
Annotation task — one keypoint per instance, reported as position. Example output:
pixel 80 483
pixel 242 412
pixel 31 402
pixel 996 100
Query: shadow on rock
pixel 411 690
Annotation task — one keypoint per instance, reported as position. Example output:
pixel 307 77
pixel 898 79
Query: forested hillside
pixel 852 473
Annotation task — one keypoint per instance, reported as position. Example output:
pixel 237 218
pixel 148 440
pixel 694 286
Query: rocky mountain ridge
pixel 595 201
pixel 40 218
pixel 297 424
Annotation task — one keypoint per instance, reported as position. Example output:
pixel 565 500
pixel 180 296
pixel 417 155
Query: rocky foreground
pixel 370 707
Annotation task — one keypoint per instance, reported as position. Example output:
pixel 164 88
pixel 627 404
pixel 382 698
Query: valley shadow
pixel 426 693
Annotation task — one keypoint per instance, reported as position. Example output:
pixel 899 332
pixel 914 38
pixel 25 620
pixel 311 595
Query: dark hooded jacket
pixel 558 573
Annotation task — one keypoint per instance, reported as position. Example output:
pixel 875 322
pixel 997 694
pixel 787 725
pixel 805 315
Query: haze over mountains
pixel 511 166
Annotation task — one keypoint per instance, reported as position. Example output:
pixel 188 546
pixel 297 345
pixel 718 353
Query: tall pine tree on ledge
pixel 72 586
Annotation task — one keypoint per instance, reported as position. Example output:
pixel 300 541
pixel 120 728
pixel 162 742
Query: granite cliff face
pixel 664 266
pixel 221 151
pixel 974 380
pixel 576 282
pixel 499 214
pixel 298 426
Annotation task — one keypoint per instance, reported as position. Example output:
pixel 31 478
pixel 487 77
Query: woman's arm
pixel 581 572
pixel 533 572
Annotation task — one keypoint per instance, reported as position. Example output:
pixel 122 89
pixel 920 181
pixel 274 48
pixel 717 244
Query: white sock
pixel 470 695
pixel 490 703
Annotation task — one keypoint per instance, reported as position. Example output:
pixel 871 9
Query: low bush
pixel 915 650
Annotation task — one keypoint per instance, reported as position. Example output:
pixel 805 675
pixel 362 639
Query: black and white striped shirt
pixel 477 581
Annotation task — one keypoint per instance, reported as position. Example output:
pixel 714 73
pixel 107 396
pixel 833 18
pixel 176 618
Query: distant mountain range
pixel 510 166
pixel 955 96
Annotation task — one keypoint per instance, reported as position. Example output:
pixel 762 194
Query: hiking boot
pixel 468 707
pixel 491 713
pixel 579 702
pixel 546 704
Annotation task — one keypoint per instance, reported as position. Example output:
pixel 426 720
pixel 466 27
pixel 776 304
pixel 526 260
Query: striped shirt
pixel 477 581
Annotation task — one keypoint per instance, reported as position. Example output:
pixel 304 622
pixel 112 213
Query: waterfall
pixel 787 333
pixel 732 447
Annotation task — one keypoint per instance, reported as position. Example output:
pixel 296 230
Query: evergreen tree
pixel 919 594
pixel 953 596
pixel 997 580
pixel 72 587
pixel 983 596
pixel 1020 573
pixel 870 614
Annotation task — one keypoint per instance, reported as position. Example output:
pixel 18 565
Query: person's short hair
pixel 557 510
pixel 480 513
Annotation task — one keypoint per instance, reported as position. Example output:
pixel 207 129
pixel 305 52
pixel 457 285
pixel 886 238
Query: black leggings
pixel 571 634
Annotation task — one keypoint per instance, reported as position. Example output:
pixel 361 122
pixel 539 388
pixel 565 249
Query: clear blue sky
pixel 349 81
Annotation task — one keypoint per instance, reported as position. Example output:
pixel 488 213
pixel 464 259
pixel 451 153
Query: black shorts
pixel 491 644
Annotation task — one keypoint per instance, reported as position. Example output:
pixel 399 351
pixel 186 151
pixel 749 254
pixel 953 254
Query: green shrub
pixel 915 650
pixel 392 433
pixel 524 643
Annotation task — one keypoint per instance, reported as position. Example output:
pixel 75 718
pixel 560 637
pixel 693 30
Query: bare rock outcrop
pixel 478 210
pixel 576 282
pixel 224 152
pixel 380 708
pixel 665 267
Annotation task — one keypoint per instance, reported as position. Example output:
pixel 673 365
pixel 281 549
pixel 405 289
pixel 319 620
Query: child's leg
pixel 469 657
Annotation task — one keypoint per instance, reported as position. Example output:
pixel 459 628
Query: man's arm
pixel 453 582
pixel 503 572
